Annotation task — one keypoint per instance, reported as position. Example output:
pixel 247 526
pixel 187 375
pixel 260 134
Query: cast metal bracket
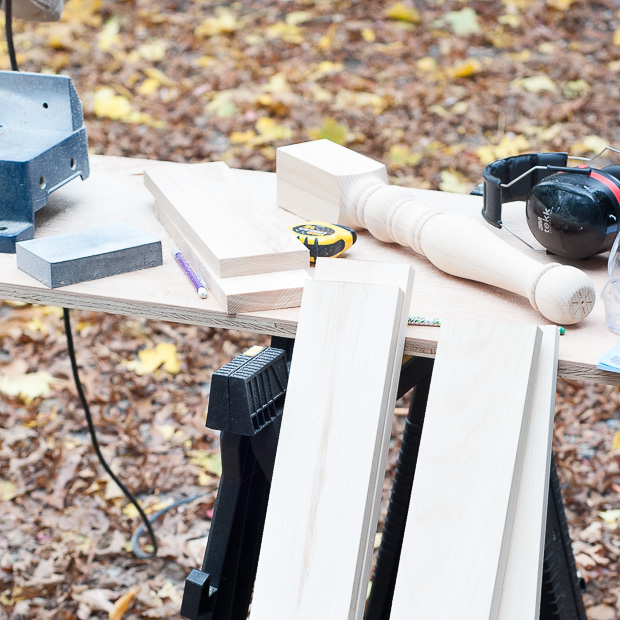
pixel 43 145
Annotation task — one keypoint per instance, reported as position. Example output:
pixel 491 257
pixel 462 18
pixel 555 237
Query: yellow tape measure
pixel 324 239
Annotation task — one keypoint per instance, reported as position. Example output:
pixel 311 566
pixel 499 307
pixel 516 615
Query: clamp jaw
pixel 246 403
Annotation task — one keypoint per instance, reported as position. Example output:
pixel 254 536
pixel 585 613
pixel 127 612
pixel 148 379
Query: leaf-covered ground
pixel 433 89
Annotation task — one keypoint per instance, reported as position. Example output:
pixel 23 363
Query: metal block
pixel 43 145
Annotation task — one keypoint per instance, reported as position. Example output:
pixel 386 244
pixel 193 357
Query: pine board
pixel 263 291
pixel 520 596
pixel 219 217
pixel 457 533
pixel 323 506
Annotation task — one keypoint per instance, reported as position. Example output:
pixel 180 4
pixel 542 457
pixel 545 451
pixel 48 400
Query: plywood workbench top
pixel 115 191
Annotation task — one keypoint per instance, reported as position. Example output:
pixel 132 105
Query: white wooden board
pixel 323 505
pixel 520 596
pixel 263 291
pixel 456 537
pixel 221 220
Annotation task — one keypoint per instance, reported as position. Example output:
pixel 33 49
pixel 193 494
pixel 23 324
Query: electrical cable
pixel 91 429
pixel 8 28
pixel 136 535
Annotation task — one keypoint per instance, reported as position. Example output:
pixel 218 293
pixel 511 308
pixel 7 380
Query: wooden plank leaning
pixel 458 528
pixel 323 506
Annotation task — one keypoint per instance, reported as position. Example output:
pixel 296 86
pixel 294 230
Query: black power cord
pixel 8 28
pixel 91 429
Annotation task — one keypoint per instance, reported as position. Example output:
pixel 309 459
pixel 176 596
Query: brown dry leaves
pixel 435 90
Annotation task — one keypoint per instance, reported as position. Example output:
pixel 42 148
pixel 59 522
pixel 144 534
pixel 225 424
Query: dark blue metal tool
pixel 43 145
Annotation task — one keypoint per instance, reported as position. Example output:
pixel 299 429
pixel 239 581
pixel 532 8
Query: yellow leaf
pixel 277 84
pixel 37 325
pixel 327 40
pixel 132 512
pixel 610 517
pixel 426 64
pixel 7 491
pixel 82 11
pixel 347 99
pixel 404 13
pixel 507 147
pixel 122 604
pixel 560 5
pixel 167 430
pixel 510 20
pixel 289 33
pixel 617 37
pixel 110 105
pixel 149 360
pixel 154 50
pixel 616 442
pixel 467 68
pixel 109 37
pixel 368 34
pixel 461 22
pixel 298 17
pixel 148 87
pixel 453 181
pixel 158 75
pixel 536 84
pixel 224 23
pixel 269 130
pixel 223 105
pixel 401 157
pixel 211 463
pixel 590 144
pixel 330 130
pixel 242 137
pixel 575 88
pixel 27 386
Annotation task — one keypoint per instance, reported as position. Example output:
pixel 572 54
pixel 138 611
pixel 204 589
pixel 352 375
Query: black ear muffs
pixel 573 212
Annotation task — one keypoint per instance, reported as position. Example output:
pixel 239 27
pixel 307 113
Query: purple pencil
pixel 193 277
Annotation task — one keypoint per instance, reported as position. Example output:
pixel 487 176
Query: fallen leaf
pixel 536 84
pixel 149 359
pixel 453 181
pixel 507 147
pixel 404 13
pixel 331 130
pixel 110 105
pixel 461 22
pixel 289 33
pixel 211 463
pixel 615 444
pixel 610 517
pixel 122 604
pixel 27 386
pixel 7 491
pixel 401 156
pixel 224 23
pixel 466 68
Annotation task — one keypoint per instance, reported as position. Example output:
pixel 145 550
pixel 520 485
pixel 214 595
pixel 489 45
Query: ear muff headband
pixel 503 171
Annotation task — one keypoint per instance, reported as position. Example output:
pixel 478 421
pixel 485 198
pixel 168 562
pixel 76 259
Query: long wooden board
pixel 457 533
pixel 220 219
pixel 520 596
pixel 263 291
pixel 323 505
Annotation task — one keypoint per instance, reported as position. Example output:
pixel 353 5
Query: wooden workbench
pixel 115 191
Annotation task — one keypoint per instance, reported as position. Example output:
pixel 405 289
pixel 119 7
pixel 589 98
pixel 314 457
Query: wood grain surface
pixel 323 504
pixel 115 190
pixel 458 527
pixel 520 595
pixel 219 217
